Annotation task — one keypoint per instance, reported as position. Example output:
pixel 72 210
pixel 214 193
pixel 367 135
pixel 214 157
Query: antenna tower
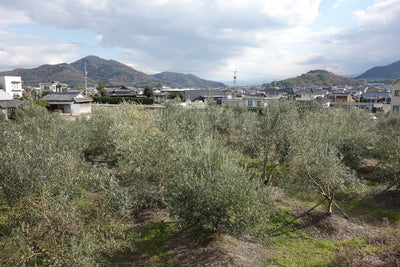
pixel 234 79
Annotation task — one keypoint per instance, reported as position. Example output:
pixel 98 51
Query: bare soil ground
pixel 184 249
pixel 333 227
pixel 216 250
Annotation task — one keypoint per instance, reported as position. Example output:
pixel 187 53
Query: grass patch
pixel 302 250
pixel 152 244
pixel 392 215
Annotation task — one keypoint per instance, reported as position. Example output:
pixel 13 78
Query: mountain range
pixel 388 72
pixel 111 72
pixel 384 74
pixel 114 73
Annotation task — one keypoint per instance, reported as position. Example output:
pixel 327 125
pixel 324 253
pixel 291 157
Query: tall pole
pixel 234 81
pixel 86 81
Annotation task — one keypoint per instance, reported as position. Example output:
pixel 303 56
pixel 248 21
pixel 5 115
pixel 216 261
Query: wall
pixel 81 108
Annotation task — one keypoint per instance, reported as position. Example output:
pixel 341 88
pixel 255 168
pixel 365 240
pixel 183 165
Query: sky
pixel 260 39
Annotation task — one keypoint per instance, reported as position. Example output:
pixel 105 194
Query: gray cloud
pixel 211 34
pixel 173 32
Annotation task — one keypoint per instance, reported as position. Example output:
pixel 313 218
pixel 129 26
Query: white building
pixel 12 85
pixel 249 101
pixel 52 87
pixel 395 100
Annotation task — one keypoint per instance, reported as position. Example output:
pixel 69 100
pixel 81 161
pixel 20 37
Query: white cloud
pixel 381 15
pixel 28 55
pixel 271 37
pixel 374 41
pixel 338 3
pixel 98 37
pixel 10 16
pixel 205 33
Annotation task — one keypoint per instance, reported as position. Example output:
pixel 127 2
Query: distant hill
pixel 61 72
pixel 189 80
pixel 389 72
pixel 316 78
pixel 111 72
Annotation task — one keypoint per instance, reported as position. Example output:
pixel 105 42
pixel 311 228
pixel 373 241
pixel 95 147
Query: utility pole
pixel 86 91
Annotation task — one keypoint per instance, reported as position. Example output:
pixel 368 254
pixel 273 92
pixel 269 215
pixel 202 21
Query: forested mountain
pixel 189 80
pixel 65 73
pixel 110 72
pixel 317 78
pixel 391 72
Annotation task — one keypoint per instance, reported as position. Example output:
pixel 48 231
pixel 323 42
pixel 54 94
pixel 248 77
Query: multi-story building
pixel 12 85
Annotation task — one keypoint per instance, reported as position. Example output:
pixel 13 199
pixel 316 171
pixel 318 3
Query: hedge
pixel 118 100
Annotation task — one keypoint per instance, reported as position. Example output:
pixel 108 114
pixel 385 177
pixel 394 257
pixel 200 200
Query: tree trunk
pixel 330 201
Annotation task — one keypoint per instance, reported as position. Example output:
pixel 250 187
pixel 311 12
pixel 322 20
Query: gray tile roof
pixel 66 97
pixel 9 103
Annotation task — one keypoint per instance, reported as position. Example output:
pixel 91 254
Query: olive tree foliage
pixel 387 149
pixel 316 161
pixel 128 139
pixel 211 191
pixel 62 210
pixel 208 188
pixel 269 138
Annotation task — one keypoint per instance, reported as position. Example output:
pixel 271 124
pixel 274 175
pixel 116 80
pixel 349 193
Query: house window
pixel 396 109
pixel 396 92
pixel 250 103
pixel 259 104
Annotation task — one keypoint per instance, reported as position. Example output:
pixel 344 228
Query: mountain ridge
pixel 316 78
pixel 111 72
pixel 390 72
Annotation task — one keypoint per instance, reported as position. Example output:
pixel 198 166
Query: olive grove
pixel 71 190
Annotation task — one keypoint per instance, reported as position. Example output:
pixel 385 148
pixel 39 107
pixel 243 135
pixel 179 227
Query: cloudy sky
pixel 261 39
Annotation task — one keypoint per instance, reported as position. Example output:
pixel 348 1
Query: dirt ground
pixel 219 249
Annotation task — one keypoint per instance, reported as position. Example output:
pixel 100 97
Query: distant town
pixel 152 91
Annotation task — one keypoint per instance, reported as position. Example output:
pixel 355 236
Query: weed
pixel 153 246
pixel 392 215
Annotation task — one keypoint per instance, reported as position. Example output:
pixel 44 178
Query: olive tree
pixel 316 163
pixel 211 191
pixel 62 209
pixel 387 149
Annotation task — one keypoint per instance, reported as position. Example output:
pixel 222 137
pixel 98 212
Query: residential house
pixel 6 102
pixel 72 102
pixel 161 97
pixel 52 87
pixel 309 94
pixel 376 97
pixel 395 101
pixel 249 101
pixel 12 85
pixel 121 92
pixel 286 93
pixel 341 97
pixel 371 89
